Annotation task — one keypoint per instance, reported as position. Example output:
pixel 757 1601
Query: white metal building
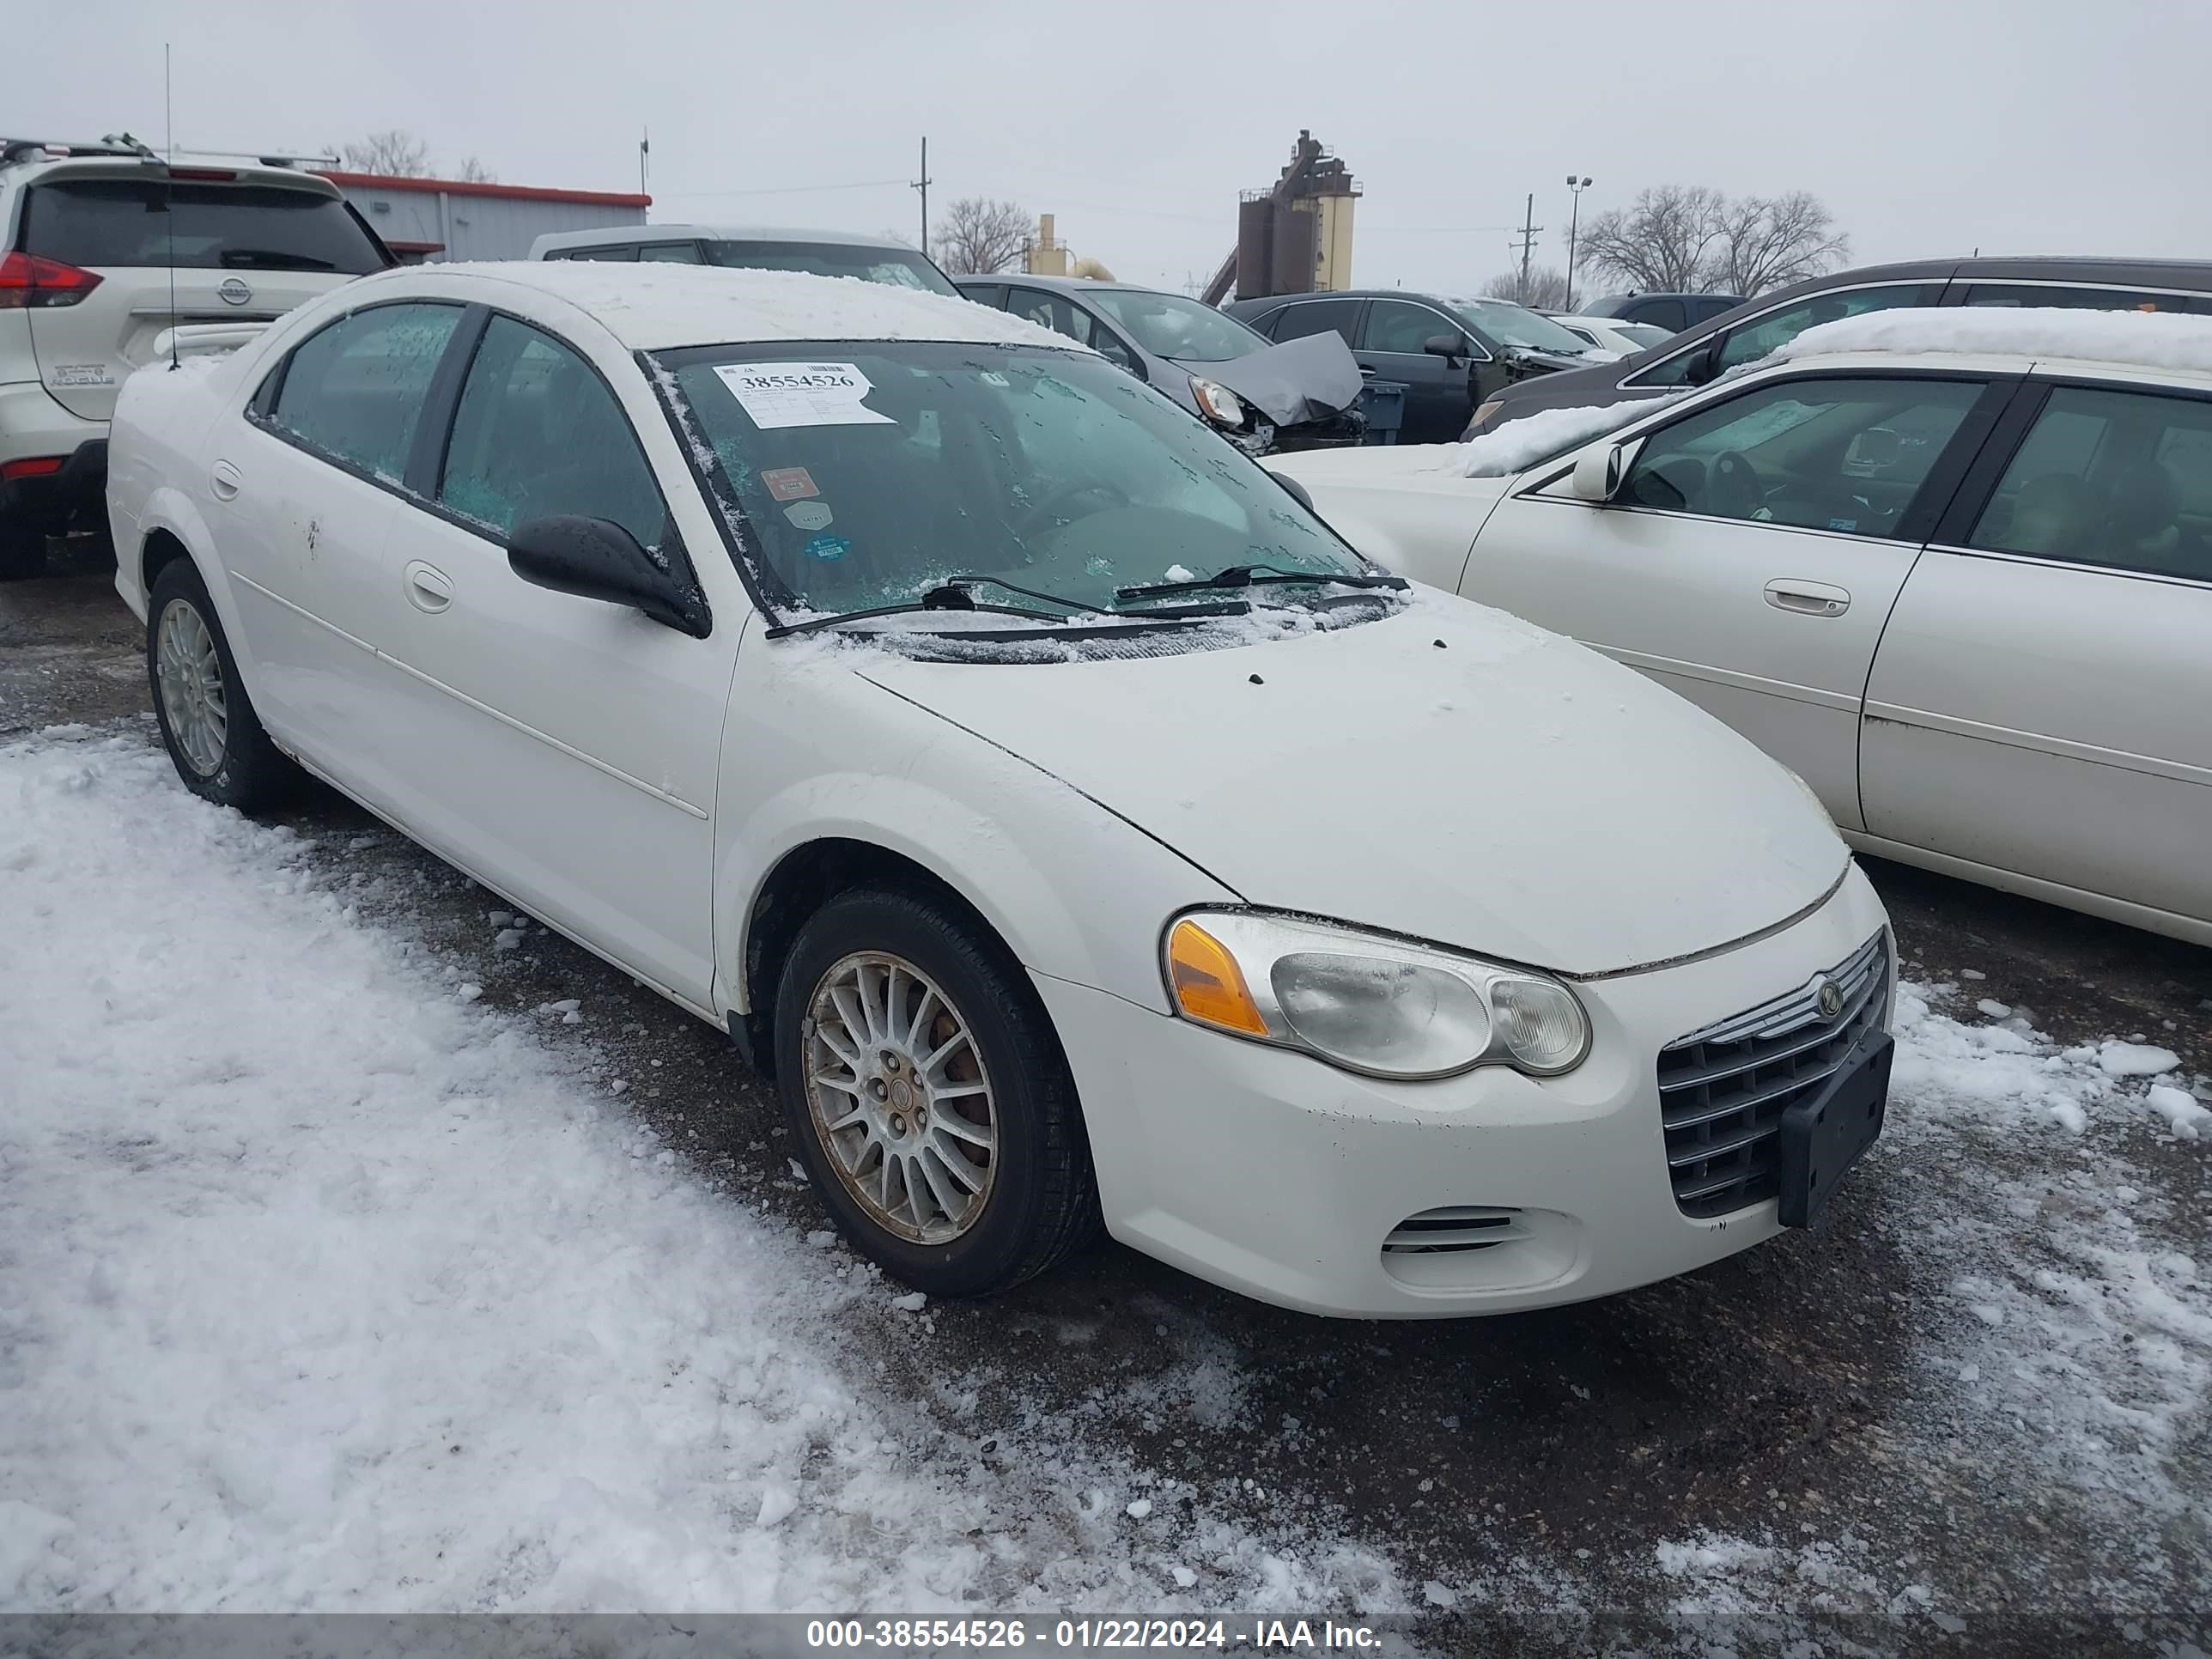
pixel 437 219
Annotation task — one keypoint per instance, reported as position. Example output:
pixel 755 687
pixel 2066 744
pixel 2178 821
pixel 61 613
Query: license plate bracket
pixel 1824 1134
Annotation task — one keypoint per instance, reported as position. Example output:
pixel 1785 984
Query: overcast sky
pixel 1929 126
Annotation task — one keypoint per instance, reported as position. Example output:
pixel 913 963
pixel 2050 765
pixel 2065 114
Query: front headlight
pixel 1367 1002
pixel 1216 402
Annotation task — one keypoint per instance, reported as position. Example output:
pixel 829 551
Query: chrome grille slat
pixel 1722 1153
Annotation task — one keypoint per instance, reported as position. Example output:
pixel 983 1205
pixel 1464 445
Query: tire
pixel 229 759
pixel 23 547
pixel 1026 1203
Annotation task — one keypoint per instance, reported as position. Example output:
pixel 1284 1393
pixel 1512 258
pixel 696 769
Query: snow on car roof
pixel 653 307
pixel 2144 339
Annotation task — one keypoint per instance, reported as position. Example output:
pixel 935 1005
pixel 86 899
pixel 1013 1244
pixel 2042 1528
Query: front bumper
pixel 1281 1177
pixel 33 425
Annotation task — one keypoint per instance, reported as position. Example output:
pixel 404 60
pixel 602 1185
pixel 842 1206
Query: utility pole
pixel 644 150
pixel 923 184
pixel 1529 229
pixel 1574 222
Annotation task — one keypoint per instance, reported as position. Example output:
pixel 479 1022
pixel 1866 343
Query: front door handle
pixel 1806 599
pixel 224 479
pixel 428 587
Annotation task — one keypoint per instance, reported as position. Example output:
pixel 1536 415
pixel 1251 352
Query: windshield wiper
pixel 953 595
pixel 270 258
pixel 1254 575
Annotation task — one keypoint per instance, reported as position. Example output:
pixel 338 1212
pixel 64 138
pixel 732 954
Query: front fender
pixel 1076 892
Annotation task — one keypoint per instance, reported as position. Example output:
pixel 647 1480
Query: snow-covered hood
pixel 1299 381
pixel 1450 773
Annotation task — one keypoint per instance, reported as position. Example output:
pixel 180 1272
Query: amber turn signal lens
pixel 1208 984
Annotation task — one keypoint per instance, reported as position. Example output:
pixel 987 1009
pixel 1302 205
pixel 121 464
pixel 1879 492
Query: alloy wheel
pixel 190 671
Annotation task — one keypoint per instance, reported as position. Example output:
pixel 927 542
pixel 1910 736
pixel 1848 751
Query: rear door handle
pixel 224 479
pixel 427 587
pixel 1806 598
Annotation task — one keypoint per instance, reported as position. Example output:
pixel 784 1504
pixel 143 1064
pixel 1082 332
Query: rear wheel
pixel 213 735
pixel 929 1096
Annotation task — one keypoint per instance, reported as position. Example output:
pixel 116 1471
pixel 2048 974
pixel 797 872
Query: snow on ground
pixel 323 1288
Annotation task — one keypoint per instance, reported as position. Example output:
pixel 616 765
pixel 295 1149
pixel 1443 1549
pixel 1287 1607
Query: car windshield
pixel 204 227
pixel 869 473
pixel 900 267
pixel 1516 325
pixel 1174 326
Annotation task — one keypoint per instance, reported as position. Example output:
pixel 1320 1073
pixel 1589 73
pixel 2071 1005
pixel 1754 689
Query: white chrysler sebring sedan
pixel 1071 825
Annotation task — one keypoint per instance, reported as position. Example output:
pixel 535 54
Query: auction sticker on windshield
pixel 802 394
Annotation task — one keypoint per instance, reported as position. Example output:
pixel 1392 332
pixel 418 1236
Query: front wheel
pixel 929 1096
pixel 213 735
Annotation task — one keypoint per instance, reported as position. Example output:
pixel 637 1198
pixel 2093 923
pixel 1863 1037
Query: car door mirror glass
pixel 598 559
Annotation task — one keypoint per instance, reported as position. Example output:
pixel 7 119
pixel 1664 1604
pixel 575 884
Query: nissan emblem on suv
pixel 234 291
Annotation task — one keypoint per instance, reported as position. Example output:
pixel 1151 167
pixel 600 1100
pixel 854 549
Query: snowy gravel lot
pixel 363 1247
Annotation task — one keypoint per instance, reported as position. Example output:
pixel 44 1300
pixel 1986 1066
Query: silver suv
pixel 103 246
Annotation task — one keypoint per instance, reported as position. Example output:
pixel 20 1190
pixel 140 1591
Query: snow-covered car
pixel 102 247
pixel 752 247
pixel 1070 823
pixel 1953 566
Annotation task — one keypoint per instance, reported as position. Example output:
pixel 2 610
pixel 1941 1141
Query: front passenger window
pixel 538 433
pixel 1750 341
pixel 354 391
pixel 1820 453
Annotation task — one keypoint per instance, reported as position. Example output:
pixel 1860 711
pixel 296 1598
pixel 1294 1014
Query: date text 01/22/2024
pixel 1248 1635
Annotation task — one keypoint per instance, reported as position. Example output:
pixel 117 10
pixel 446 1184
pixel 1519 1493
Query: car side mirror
pixel 1298 491
pixel 1704 363
pixel 598 559
pixel 1601 471
pixel 1444 345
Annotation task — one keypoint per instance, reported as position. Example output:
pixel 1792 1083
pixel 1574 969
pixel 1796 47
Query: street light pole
pixel 1574 220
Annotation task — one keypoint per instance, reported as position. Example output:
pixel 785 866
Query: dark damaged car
pixel 1301 395
pixel 1451 354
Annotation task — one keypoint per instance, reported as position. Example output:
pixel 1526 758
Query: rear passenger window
pixel 624 253
pixel 2083 299
pixel 670 254
pixel 2121 479
pixel 1659 313
pixel 538 433
pixel 1318 317
pixel 354 391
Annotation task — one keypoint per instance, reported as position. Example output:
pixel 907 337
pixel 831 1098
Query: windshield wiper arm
pixel 1254 575
pixel 961 584
pixel 953 596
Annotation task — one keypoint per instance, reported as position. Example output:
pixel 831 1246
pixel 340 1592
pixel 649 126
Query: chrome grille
pixel 1723 1089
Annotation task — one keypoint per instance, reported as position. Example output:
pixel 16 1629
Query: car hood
pixel 1292 383
pixel 1449 773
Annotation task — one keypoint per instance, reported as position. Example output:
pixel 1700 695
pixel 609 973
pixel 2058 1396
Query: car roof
pixel 2170 345
pixel 713 233
pixel 653 307
pixel 29 167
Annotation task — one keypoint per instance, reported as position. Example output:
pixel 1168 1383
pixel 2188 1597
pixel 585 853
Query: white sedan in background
pixel 1953 568
pixel 1610 334
pixel 1069 823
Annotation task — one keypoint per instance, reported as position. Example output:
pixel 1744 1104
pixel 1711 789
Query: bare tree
pixel 977 236
pixel 1546 289
pixel 1775 240
pixel 396 153
pixel 1682 238
pixel 1664 241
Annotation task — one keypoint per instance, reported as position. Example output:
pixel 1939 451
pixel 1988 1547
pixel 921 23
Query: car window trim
pixel 1466 330
pixel 1916 523
pixel 272 387
pixel 1959 285
pixel 1698 335
pixel 1975 494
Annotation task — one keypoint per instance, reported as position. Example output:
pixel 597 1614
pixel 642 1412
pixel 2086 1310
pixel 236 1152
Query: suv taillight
pixel 28 280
